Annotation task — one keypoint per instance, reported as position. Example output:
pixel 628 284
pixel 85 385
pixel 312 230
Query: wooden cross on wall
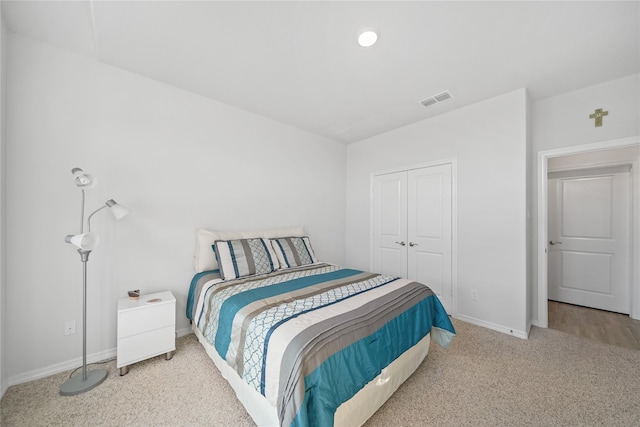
pixel 598 115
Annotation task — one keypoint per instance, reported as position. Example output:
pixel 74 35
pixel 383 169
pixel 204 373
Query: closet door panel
pixel 429 229
pixel 389 224
pixel 430 270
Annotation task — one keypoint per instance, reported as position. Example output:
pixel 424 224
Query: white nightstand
pixel 146 328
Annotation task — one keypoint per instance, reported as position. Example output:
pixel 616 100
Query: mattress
pixel 315 344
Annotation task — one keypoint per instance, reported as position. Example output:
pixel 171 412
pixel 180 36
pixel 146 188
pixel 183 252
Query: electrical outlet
pixel 474 294
pixel 70 327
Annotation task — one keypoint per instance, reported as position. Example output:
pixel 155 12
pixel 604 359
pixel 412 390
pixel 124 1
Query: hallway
pixel 604 326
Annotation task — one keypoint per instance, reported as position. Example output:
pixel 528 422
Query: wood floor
pixel 604 326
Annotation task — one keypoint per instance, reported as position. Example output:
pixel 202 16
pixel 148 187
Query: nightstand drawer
pixel 143 346
pixel 133 322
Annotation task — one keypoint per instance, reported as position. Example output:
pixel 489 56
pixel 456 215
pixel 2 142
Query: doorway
pixel 591 155
pixel 589 225
pixel 598 325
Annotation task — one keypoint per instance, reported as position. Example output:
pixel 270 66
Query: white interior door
pixel 589 232
pixel 429 229
pixel 389 225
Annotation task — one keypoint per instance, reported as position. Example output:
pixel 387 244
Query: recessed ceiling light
pixel 367 37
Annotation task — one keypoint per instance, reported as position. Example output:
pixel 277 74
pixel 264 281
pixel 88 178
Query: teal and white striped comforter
pixel 309 338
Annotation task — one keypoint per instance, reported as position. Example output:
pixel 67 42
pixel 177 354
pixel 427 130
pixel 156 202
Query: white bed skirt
pixel 353 412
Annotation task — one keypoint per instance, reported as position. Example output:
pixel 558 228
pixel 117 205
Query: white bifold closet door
pixel 411 227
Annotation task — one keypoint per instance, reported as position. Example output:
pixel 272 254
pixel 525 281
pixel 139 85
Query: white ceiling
pixel 298 61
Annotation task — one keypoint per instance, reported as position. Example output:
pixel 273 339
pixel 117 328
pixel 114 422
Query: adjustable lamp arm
pixel 82 212
pixel 117 210
pixel 92 214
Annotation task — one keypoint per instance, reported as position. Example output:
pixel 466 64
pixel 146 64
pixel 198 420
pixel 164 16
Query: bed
pixel 303 342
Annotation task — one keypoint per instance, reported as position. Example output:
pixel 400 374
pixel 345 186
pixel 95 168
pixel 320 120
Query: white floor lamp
pixel 86 242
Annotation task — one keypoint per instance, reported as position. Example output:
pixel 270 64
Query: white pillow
pixel 205 258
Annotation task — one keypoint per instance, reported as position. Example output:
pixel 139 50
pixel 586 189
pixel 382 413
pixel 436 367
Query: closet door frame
pixel 454 218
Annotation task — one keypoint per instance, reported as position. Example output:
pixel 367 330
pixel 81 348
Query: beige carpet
pixel 485 379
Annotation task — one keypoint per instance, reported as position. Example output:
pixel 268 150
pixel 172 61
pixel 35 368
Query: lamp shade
pixel 86 241
pixel 117 210
pixel 82 179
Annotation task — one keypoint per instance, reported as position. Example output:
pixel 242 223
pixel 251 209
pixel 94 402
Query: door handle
pixel 412 244
pixel 551 242
pixel 401 243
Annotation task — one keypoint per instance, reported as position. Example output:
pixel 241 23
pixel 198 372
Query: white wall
pixel 563 121
pixel 3 375
pixel 178 160
pixel 488 140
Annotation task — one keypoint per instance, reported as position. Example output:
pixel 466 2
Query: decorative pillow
pixel 205 260
pixel 293 251
pixel 244 257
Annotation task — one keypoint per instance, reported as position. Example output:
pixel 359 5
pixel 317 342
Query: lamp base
pixel 76 385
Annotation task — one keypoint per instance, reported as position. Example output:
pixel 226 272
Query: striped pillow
pixel 293 251
pixel 244 257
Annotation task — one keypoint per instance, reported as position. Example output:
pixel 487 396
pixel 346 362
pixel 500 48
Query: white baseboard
pixel 3 388
pixel 520 334
pixel 70 364
pixel 183 332
pixel 61 367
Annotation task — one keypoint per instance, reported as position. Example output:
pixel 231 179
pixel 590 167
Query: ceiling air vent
pixel 442 96
pixel 428 101
pixel 436 98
